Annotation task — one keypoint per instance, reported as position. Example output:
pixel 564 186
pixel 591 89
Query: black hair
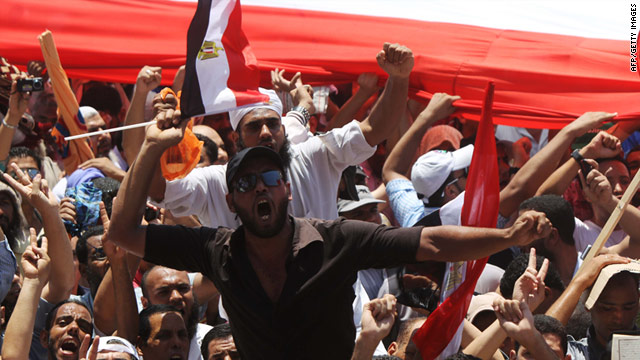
pixel 217 332
pixel 23 152
pixel 549 325
pixel 109 188
pixel 518 266
pixel 615 158
pixel 558 211
pixel 144 325
pixel 385 357
pixel 143 281
pixel 462 356
pixel 102 98
pixel 82 252
pixel 52 314
pixel 210 148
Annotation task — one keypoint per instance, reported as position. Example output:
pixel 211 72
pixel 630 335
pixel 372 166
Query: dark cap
pixel 249 153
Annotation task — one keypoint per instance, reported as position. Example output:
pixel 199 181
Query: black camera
pixel 30 85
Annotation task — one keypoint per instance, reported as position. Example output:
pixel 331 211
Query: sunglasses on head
pixel 248 182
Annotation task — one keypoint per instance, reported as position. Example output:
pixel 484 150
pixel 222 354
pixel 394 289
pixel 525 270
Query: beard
pixel 94 279
pixel 191 320
pixel 248 220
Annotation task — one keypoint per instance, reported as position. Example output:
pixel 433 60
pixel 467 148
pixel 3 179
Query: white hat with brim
pixel 431 170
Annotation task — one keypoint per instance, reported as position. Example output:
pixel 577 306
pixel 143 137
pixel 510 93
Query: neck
pixel 271 249
pixel 565 261
pixel 600 216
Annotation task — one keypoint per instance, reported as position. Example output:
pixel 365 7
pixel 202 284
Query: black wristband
pixel 577 156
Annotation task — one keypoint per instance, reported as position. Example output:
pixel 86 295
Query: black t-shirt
pixel 313 317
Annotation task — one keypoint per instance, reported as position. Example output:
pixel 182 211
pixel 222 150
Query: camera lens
pixel 37 84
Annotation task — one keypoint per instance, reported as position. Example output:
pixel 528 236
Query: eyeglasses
pixel 32 172
pixel 248 182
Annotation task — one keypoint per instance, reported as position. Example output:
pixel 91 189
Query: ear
pixel 553 239
pixel 451 191
pixel 512 355
pixel 568 357
pixel 393 348
pixel 235 137
pixel 547 291
pixel 288 186
pixel 2 320
pixel 229 199
pixel 144 302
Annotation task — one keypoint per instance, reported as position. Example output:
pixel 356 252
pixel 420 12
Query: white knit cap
pixel 274 104
pixel 432 169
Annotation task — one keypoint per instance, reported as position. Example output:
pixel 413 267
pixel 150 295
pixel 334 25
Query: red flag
pixel 481 201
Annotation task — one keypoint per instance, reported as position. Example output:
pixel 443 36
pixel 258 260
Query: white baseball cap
pixel 431 170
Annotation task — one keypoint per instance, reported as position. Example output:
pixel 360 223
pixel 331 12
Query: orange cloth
pixel 177 161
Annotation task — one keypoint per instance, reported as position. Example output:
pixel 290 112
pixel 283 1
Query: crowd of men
pixel 320 228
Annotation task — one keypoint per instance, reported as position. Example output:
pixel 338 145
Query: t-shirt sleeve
pixel 180 247
pixel 379 246
pixel 404 202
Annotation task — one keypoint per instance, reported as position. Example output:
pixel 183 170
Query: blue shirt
pixel 404 202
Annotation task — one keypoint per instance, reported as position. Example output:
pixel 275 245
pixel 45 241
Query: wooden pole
pixel 613 219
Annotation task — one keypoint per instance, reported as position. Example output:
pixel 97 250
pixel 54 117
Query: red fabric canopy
pixel 541 80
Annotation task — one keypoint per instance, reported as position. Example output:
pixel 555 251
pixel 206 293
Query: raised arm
pixel 148 79
pixel 18 102
pixel 603 145
pixel 563 307
pixel 38 195
pixel 528 179
pixel 378 317
pixel 368 83
pixel 401 157
pixel 397 61
pixel 35 264
pixel 125 229
pixel 461 243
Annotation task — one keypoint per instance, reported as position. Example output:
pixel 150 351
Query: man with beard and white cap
pixel 314 167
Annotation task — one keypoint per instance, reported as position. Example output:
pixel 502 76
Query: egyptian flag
pixel 221 70
pixel 70 121
pixel 441 333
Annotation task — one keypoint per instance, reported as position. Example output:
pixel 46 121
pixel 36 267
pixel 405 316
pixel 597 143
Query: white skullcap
pixel 115 344
pixel 432 169
pixel 88 112
pixel 274 104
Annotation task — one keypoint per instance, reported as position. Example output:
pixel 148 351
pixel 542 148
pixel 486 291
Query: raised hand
pixel 112 250
pixel 396 60
pixel 378 316
pixel 440 106
pixel 596 187
pixel 603 145
pixel 280 83
pixel 168 131
pixel 530 286
pixel 18 102
pixel 368 83
pixel 589 120
pixel 84 348
pixel 148 78
pixel 515 318
pixel 530 226
pixel 35 260
pixel 35 191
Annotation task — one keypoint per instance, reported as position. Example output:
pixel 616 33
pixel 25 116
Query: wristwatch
pixel 304 112
pixel 577 156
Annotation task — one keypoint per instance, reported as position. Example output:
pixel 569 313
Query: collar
pixel 304 233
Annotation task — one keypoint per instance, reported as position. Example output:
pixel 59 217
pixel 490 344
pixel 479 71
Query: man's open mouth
pixel 264 209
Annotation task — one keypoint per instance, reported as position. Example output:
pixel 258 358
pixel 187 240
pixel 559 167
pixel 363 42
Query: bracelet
pixel 5 123
pixel 304 112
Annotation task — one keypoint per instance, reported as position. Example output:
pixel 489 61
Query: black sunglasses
pixel 248 182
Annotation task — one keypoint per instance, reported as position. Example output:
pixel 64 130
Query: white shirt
pixel 196 341
pixel 587 232
pixel 314 174
pixel 513 134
